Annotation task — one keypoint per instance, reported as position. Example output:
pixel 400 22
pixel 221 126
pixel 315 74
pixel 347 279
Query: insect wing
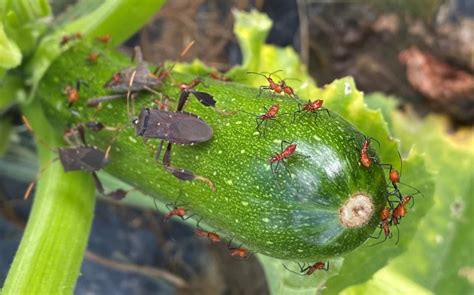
pixel 187 128
pixel 181 127
pixel 87 158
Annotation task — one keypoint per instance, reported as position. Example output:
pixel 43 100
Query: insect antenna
pixel 295 272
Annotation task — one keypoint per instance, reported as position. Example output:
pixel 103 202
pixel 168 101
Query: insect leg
pixel 183 97
pixel 290 270
pixel 182 173
pixel 95 101
pixel 158 150
pixel 98 183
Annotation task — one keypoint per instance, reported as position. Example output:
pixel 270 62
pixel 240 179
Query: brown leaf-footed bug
pixel 134 79
pixel 143 79
pixel 176 127
pixel 81 157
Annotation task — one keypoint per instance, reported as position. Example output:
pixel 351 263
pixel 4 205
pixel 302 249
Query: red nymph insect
pixel 284 154
pixel 72 93
pixel 385 223
pixel 365 159
pixel 400 211
pixel 311 107
pixel 272 85
pixel 176 211
pixel 307 270
pixel 105 39
pixel 93 56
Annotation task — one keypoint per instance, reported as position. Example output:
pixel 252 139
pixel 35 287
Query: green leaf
pixel 25 22
pixel 282 281
pixel 10 54
pixel 445 234
pixel 251 29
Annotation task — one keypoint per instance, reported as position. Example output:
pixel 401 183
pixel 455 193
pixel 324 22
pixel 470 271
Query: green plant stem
pixel 51 251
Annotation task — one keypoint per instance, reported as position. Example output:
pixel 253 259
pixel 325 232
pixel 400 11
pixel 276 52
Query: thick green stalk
pixel 49 258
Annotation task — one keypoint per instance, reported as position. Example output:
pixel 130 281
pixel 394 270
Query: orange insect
pixel 105 39
pixel 212 236
pixel 272 85
pixel 64 40
pixel 186 87
pixel 72 93
pixel 176 211
pixel 385 223
pixel 311 107
pixel 365 158
pixel 219 76
pixel 400 211
pixel 269 114
pixel 287 89
pixel 307 270
pixel 284 154
pixel 93 56
pixel 238 252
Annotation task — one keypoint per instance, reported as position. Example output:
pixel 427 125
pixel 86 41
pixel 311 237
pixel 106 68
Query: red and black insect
pixel 261 120
pixel 93 56
pixel 287 89
pixel 312 107
pixel 72 93
pixel 220 77
pixel 285 153
pixel 163 104
pixel 272 85
pixel 105 39
pixel 307 270
pixel 384 224
pixel 365 159
pixel 238 252
pixel 212 236
pixel 400 211
pixel 65 39
pixel 176 210
pixel 394 176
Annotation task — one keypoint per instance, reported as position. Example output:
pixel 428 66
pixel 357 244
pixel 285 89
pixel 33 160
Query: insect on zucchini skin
pixel 320 204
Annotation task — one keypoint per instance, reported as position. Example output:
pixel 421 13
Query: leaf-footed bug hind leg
pixel 183 174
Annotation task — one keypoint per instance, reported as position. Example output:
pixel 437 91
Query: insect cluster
pixel 177 126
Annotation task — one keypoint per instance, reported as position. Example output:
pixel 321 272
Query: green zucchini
pixel 322 203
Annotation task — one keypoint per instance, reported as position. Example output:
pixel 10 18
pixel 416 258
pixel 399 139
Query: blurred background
pixel 420 50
